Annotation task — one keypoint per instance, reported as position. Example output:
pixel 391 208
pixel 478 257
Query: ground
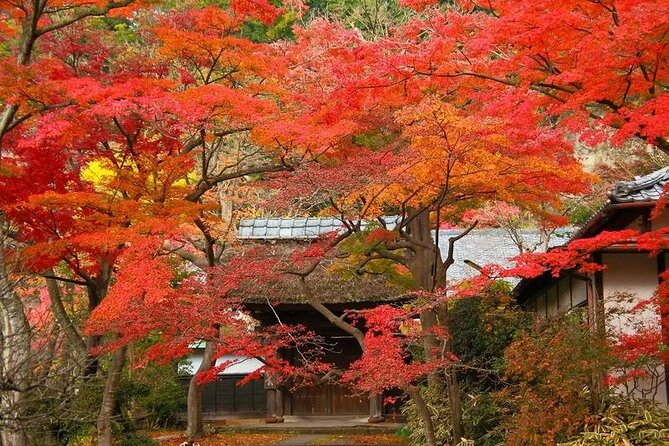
pixel 172 438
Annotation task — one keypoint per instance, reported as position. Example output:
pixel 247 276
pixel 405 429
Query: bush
pixel 441 417
pixel 166 397
pixel 626 422
pixel 152 395
pixel 481 330
pixel 553 370
pixel 481 418
pixel 76 421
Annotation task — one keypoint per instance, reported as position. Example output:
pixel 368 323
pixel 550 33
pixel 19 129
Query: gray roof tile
pixel 269 232
pixel 641 188
pixel 481 246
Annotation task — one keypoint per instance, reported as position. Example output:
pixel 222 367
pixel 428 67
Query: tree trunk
pixel 15 354
pixel 195 426
pixel 425 415
pixel 74 339
pixel 15 367
pixel 96 289
pixel 454 399
pixel 11 430
pixel 452 381
pixel 429 273
pixel 106 414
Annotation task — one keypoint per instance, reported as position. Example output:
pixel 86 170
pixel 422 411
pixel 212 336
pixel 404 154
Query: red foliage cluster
pixel 386 362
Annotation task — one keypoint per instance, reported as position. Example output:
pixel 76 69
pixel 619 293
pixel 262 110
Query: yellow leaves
pixel 98 172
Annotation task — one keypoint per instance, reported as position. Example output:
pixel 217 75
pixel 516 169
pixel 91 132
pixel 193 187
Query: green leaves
pixel 627 423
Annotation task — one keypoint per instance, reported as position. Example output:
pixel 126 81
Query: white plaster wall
pixel 633 273
pixel 241 366
pixel 636 274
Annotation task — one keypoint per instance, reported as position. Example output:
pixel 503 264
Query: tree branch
pixel 450 259
pixel 92 11
pixel 64 279
pixel 186 255
pixel 330 316
pixel 207 184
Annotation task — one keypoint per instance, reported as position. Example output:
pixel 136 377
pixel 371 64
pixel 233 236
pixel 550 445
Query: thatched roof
pixel 328 285
pixel 278 237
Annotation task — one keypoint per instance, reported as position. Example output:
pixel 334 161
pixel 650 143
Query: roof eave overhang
pixel 605 214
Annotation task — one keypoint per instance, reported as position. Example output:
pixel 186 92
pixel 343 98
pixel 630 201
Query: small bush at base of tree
pixel 626 422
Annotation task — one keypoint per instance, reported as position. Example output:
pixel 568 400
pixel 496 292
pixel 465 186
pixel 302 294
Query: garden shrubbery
pixel 527 381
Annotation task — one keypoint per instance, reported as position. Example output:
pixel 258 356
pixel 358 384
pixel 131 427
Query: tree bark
pixel 104 425
pixel 429 272
pixel 423 265
pixel 74 339
pixel 425 415
pixel 454 399
pixel 16 364
pixel 96 290
pixel 195 427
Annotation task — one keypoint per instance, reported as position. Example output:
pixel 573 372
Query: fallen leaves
pixel 361 439
pixel 224 439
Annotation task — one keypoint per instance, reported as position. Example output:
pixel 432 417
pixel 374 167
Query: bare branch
pixel 92 11
pixel 450 259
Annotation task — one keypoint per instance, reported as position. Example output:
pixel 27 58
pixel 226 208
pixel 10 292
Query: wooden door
pixel 328 399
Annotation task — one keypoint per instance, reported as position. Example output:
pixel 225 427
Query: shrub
pixel 553 370
pixel 441 416
pixel 153 395
pixel 626 422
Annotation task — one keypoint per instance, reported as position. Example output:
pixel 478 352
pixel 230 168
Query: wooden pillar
pixel 376 409
pixel 271 406
pixel 664 319
pixel 270 392
pixel 278 404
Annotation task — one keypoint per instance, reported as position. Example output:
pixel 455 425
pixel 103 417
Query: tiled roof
pixel 640 189
pixel 644 190
pixel 293 228
pixel 481 246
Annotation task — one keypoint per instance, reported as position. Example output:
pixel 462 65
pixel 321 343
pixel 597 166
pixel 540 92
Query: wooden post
pixel 376 409
pixel 271 406
pixel 270 389
pixel 278 403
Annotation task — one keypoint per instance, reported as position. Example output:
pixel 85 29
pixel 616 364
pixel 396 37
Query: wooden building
pixel 281 235
pixel 631 274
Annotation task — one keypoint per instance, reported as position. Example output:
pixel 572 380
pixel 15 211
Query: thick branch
pixel 64 279
pixel 208 183
pixel 450 259
pixel 186 255
pixel 93 11
pixel 330 316
pixel 63 320
pixel 304 272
